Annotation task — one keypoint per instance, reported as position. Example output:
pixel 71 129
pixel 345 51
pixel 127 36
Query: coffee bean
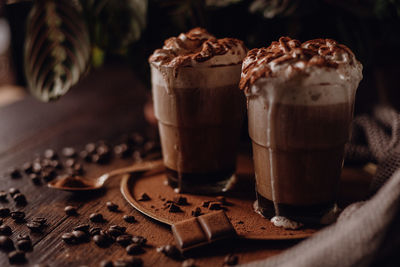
pixel 205 204
pixel 56 164
pixel 4 212
pixel 215 206
pixel 85 156
pixel 27 167
pixel 124 240
pixel 170 251
pixel 133 262
pixel 90 148
pixel 3 196
pixel 129 218
pixel 36 167
pixel 134 249
pixel 12 191
pixel 106 263
pixel 115 232
pixel 20 199
pixel 182 201
pixel 34 226
pixel 96 217
pixel 231 260
pixel 78 169
pixel 101 240
pixel 6 243
pixel 80 236
pixel 5 230
pixel 15 173
pixel 174 208
pixel 68 152
pixel 82 227
pixel 40 220
pixel 68 238
pixel 18 216
pixel 24 245
pixel 16 256
pixel 69 162
pixel 188 263
pixel 50 154
pixel 122 151
pixel 94 231
pixel 35 178
pixel 111 206
pixel 117 227
pixel 144 197
pixel 196 212
pixel 23 237
pixel 70 210
pixel 48 174
pixel 139 240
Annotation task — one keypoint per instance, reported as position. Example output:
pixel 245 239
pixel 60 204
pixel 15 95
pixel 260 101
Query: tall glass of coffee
pixel 300 106
pixel 195 79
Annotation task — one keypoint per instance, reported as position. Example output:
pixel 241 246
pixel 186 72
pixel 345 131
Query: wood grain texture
pixel 105 105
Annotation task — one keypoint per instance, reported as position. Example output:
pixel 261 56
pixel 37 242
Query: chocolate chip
pixel 4 212
pixel 80 236
pixel 70 210
pixel 6 243
pixel 188 263
pixel 5 230
pixel 94 231
pixel 35 178
pixel 182 201
pixel 82 227
pixel 24 245
pixel 111 206
pixel 16 256
pixel 231 260
pixel 68 152
pixel 96 217
pixel 106 263
pixel 18 216
pixel 196 212
pixel 15 173
pixel 12 191
pixel 129 218
pixel 101 240
pixel 144 197
pixel 68 238
pixel 134 249
pixel 34 226
pixel 174 208
pixel 20 199
pixel 50 154
pixel 170 251
pixel 124 240
pixel 140 240
pixel 3 196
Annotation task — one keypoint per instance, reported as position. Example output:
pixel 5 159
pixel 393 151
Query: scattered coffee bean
pixel 174 208
pixel 111 206
pixel 5 230
pixel 48 174
pixel 24 245
pixel 40 220
pixel 117 227
pixel 170 251
pixel 124 240
pixel 189 263
pixel 132 262
pixel 12 191
pixel 16 256
pixel 90 148
pixel 144 197
pixel 231 260
pixel 27 167
pixel 85 156
pixel 69 163
pixel 196 212
pixel 80 236
pixel 18 216
pixel 181 201
pixel 6 243
pixel 129 218
pixel 56 164
pixel 101 240
pixel 3 196
pixel 23 237
pixel 20 199
pixel 215 206
pixel 68 152
pixel 15 173
pixel 36 167
pixel 139 240
pixel 35 178
pixel 68 238
pixel 134 249
pixel 70 210
pixel 94 231
pixel 4 212
pixel 96 217
pixel 106 263
pixel 34 226
pixel 50 154
pixel 82 227
pixel 115 232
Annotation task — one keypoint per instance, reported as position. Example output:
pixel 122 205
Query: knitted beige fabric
pixel 367 233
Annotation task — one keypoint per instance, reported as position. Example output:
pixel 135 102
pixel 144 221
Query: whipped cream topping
pixel 199 48
pixel 316 64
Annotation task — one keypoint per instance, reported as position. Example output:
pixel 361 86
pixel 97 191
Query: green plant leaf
pixel 57 48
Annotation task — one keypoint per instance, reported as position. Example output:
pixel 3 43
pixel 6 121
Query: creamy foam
pixel 199 48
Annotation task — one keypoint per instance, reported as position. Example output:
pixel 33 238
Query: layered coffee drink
pixel 300 106
pixel 195 79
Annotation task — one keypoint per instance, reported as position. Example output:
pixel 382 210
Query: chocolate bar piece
pixel 202 230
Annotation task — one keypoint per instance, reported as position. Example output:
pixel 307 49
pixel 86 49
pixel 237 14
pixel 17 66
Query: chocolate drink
pixel 300 106
pixel 199 110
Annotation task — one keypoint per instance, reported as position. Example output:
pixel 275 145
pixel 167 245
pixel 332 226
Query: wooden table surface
pixel 104 106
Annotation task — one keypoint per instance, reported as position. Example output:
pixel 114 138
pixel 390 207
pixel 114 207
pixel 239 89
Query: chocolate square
pixel 188 233
pixel 216 225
